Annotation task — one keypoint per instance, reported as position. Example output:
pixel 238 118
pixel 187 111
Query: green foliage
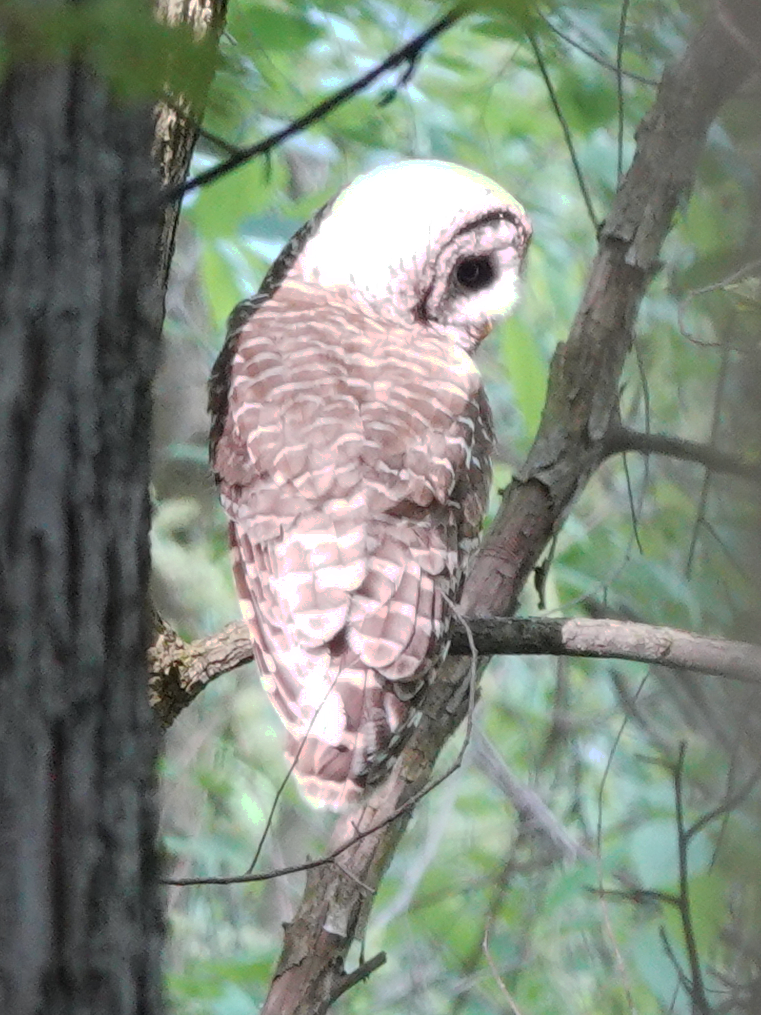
pixel 140 57
pixel 596 741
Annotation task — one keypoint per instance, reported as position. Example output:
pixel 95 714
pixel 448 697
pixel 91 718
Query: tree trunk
pixel 80 312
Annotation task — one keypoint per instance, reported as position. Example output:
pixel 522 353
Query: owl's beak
pixel 483 330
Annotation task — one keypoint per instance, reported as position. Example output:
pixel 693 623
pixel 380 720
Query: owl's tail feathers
pixel 323 772
pixel 336 763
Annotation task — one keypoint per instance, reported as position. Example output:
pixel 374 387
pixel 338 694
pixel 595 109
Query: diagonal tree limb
pixel 581 404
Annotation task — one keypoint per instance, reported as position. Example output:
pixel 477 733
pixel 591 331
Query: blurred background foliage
pixel 484 907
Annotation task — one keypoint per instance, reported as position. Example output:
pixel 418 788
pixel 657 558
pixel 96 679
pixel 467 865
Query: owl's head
pixel 421 241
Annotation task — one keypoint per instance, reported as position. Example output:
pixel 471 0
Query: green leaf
pixel 128 47
pixel 526 367
pixel 224 205
pixel 655 855
pixel 219 282
pixel 271 28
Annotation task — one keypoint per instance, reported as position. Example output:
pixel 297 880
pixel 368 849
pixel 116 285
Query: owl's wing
pixel 353 465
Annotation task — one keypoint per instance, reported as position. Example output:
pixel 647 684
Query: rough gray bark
pixel 84 252
pixel 80 314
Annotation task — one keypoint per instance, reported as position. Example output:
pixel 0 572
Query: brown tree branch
pixel 615 639
pixel 621 439
pixel 181 670
pixel 357 975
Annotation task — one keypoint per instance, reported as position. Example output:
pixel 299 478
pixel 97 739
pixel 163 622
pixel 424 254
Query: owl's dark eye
pixel 475 273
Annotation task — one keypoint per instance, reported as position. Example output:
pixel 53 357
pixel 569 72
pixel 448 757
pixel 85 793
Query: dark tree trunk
pixel 80 311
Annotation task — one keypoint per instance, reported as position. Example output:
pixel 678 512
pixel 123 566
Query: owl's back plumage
pixel 351 445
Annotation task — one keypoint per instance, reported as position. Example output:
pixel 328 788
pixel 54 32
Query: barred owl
pixel 351 442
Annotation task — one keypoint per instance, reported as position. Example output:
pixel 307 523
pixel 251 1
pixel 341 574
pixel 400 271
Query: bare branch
pixel 621 439
pixel 495 973
pixel 180 671
pixel 575 44
pixel 615 639
pixel 697 984
pixel 541 64
pixel 533 812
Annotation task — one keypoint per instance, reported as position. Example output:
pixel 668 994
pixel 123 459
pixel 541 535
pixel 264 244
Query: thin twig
pixel 620 88
pixel 731 555
pixel 406 54
pixel 636 895
pixel 242 879
pixel 596 56
pixel 473 682
pixel 565 128
pixel 744 271
pixel 607 924
pixel 708 477
pixel 727 805
pixel 646 472
pixel 697 987
pixel 366 889
pixel 207 135
pixel 219 142
pixel 287 777
pixel 684 980
pixel 646 403
pixel 390 94
pixel 500 982
pixel 500 885
pixel 632 506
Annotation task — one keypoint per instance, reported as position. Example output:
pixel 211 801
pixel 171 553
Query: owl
pixel 351 442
